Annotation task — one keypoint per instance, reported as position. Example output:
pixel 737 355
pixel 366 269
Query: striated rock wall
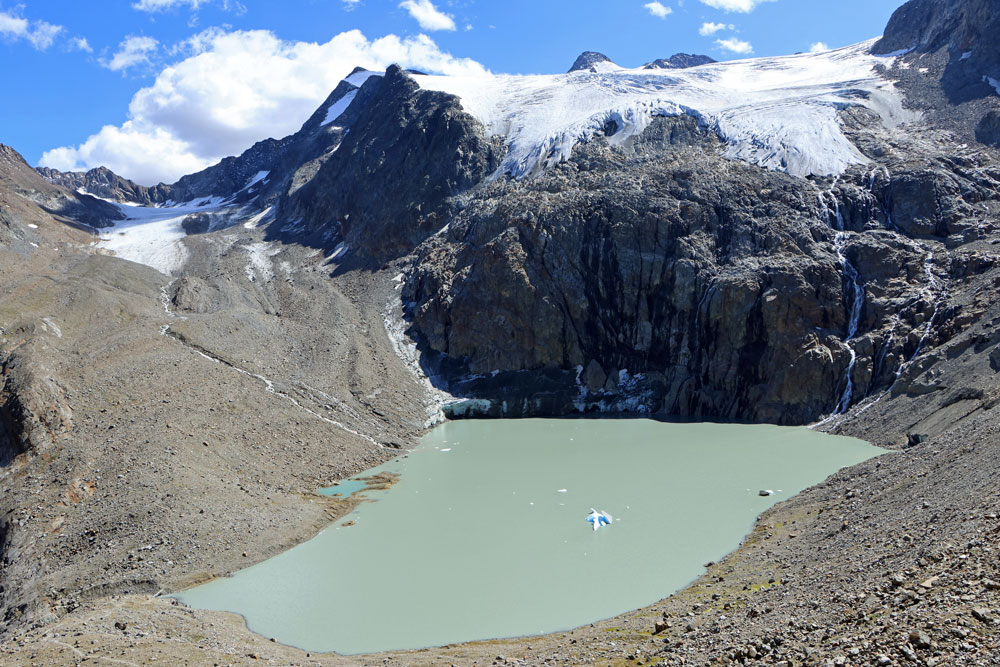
pixel 664 278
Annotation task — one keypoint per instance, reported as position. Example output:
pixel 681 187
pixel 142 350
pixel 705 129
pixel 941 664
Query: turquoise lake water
pixel 485 534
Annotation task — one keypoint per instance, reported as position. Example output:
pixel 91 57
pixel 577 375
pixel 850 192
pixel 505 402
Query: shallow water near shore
pixel 484 536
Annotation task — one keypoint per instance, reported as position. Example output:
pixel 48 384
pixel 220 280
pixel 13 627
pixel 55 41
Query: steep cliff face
pixel 385 188
pixel 666 278
pixel 968 27
pixel 956 43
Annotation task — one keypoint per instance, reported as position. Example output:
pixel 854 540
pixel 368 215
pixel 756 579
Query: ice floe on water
pixel 780 113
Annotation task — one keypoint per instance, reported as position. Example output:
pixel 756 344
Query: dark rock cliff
pixel 679 61
pixel 386 188
pixel 669 279
pixel 587 60
pixel 104 183
pixel 963 34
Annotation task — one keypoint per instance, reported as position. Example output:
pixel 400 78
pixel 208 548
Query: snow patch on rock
pixel 339 107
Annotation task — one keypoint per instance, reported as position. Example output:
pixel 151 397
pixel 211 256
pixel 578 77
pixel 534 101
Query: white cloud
pixel 40 34
pixel 735 45
pixel 351 4
pixel 708 29
pixel 658 10
pixel 818 46
pixel 43 34
pixel 744 6
pixel 163 5
pixel 13 26
pixel 81 44
pixel 153 6
pixel 238 88
pixel 134 50
pixel 427 15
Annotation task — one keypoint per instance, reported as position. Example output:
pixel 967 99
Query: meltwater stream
pixel 485 536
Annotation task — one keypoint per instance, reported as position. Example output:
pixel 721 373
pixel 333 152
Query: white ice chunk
pixel 598 519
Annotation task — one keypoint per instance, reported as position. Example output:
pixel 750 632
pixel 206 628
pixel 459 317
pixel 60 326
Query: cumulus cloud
pixel 427 15
pixel 40 34
pixel 734 45
pixel 134 50
pixel 708 29
pixel 351 4
pixel 237 88
pixel 818 46
pixel 744 6
pixel 658 10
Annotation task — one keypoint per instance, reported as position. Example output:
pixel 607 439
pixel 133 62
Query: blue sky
pixel 158 88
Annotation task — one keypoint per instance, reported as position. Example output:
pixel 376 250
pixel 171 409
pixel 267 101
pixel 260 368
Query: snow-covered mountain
pixel 778 113
pixel 456 173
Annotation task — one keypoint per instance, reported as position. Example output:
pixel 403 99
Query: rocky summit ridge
pixel 684 250
pixel 594 61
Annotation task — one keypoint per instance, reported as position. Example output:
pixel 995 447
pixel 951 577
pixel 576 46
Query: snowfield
pixel 153 235
pixel 779 113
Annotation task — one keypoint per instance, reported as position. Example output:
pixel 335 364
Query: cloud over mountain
pixel 233 89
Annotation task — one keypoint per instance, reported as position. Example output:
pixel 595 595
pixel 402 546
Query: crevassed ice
pixel 779 113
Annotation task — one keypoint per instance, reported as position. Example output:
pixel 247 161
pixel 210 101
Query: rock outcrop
pixel 18 179
pixel 104 183
pixel 679 61
pixel 589 61
pixel 419 145
pixel 962 33
pixel 667 279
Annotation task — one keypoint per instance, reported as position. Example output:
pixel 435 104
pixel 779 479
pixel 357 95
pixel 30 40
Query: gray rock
pixel 587 60
pixel 679 61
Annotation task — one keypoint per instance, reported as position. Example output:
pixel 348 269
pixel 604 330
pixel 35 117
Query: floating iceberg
pixel 598 519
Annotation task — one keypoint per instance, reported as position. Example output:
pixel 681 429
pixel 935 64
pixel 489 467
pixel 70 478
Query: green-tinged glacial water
pixel 485 535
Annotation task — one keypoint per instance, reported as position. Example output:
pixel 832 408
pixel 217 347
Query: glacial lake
pixel 485 534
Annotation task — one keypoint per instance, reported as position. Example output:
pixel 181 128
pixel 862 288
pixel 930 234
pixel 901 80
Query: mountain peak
pixel 589 60
pixel 679 61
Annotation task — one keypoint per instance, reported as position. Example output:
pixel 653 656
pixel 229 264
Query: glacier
pixel 776 112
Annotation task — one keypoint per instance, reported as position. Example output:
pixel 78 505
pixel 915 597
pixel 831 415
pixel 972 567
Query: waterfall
pixel 929 290
pixel 854 295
